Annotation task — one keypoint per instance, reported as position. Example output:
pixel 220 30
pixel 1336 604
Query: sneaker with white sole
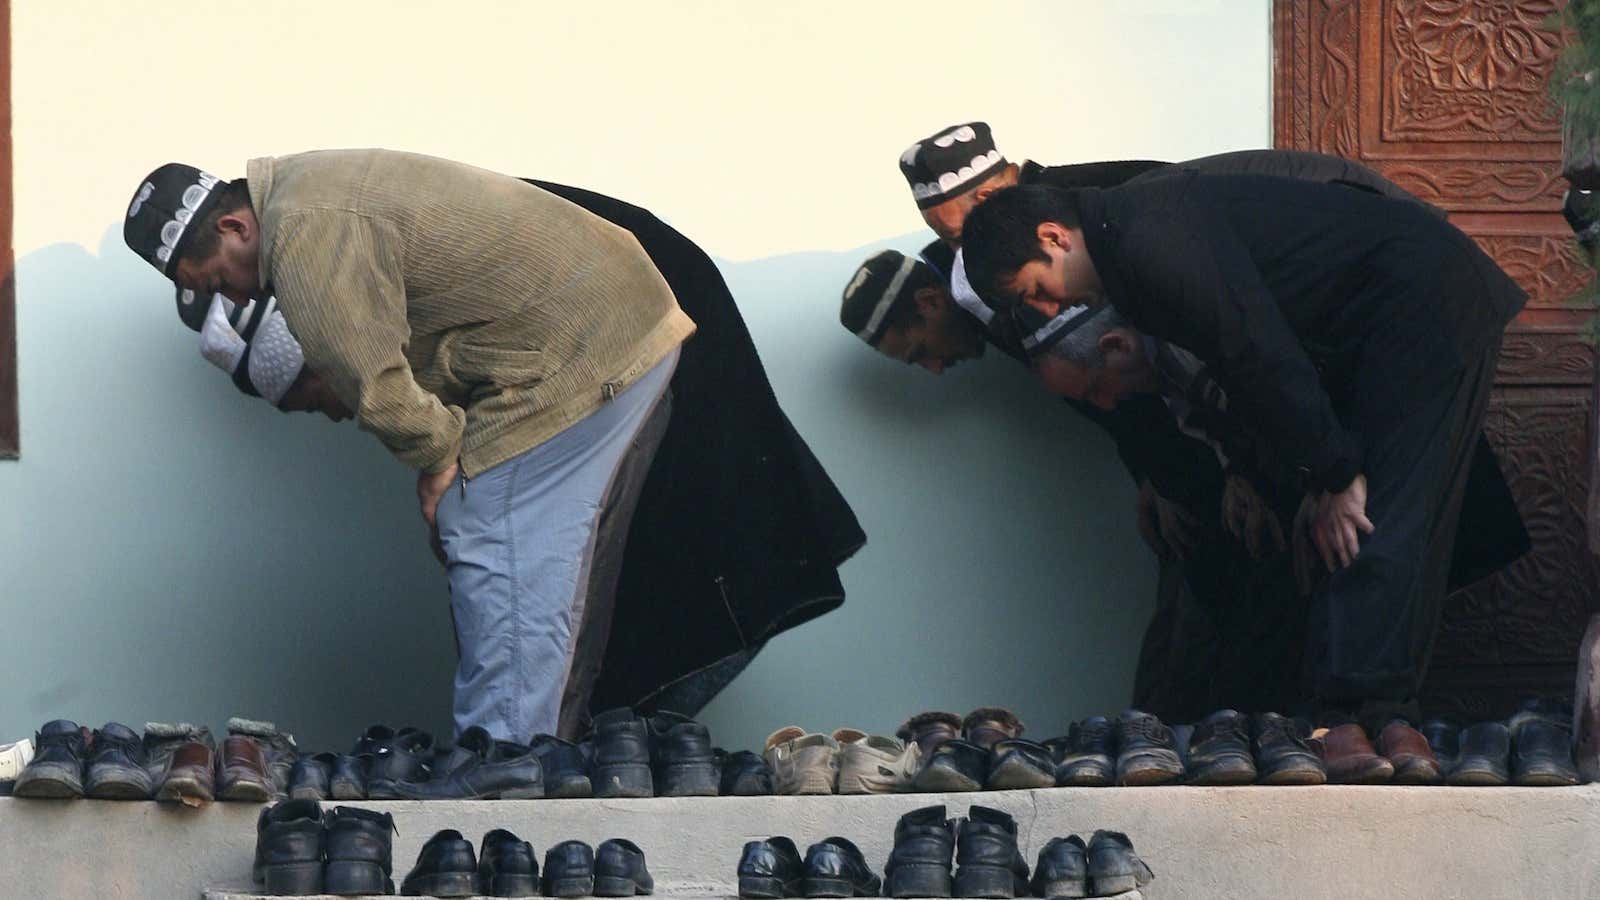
pixel 14 757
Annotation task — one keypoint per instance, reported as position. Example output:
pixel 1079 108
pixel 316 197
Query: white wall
pixel 169 549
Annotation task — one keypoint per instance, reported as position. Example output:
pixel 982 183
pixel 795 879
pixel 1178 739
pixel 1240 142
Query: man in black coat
pixel 1355 334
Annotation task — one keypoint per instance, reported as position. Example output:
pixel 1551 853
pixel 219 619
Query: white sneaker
pixel 14 757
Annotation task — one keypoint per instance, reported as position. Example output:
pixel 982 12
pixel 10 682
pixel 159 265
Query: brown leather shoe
pixel 929 730
pixel 242 772
pixel 988 725
pixel 1414 762
pixel 1350 756
pixel 189 778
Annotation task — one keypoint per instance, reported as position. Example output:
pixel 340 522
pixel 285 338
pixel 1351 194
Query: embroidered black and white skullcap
pixel 950 162
pixel 1039 333
pixel 167 203
pixel 253 345
pixel 881 284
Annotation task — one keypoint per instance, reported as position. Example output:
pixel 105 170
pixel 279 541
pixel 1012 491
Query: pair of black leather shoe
pixel 110 766
pixel 301 850
pixel 447 867
pixel 988 862
pixel 387 758
pixel 479 767
pixel 1106 866
pixel 832 867
pixel 1009 764
pixel 682 761
pixel 1530 750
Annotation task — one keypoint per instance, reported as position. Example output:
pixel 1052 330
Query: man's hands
pixel 1168 528
pixel 430 490
pixel 1333 524
pixel 1247 517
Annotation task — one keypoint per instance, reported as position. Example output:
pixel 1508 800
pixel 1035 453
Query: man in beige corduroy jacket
pixel 511 346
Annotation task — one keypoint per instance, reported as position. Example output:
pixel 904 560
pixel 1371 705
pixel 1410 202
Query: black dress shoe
pixel 956 765
pixel 118 769
pixel 1063 869
pixel 312 776
pixel 919 864
pixel 1020 764
pixel 289 845
pixel 1114 866
pixel 1147 750
pixel 680 757
pixel 987 859
pixel 1541 752
pixel 1283 752
pixel 566 767
pixel 621 755
pixel 56 770
pixel 619 870
pixel 507 866
pixel 569 870
pixel 348 780
pixel 359 852
pixel 1089 757
pixel 744 774
pixel 446 867
pixel 393 757
pixel 481 768
pixel 834 867
pixel 770 869
pixel 1219 751
pixel 1483 756
pixel 1444 738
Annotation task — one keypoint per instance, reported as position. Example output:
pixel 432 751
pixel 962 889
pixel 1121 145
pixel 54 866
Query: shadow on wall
pixel 173 550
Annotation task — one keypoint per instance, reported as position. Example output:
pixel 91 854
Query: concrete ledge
pixel 1203 843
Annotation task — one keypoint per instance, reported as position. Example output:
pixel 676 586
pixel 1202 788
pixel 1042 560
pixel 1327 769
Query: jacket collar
pixel 258 173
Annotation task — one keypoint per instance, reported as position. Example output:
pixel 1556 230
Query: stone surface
pixel 1203 843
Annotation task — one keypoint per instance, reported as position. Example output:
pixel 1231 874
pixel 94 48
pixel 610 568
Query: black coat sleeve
pixel 1190 280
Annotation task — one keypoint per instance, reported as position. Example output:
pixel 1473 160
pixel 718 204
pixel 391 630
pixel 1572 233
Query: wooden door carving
pixel 1447 98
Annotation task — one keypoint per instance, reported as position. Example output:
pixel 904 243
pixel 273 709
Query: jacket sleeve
pixel 337 277
pixel 1190 280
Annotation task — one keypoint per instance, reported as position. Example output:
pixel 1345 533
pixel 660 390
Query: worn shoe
pixel 1541 752
pixel 480 768
pixel 1283 754
pixel 1350 757
pixel 1444 738
pixel 182 762
pixel 242 773
pixel 392 757
pixel 987 859
pixel 56 770
pixel 744 774
pixel 1219 750
pixel 621 755
pixel 1017 764
pixel 359 852
pixel 1063 869
pixel 1414 762
pixel 834 867
pixel 14 757
pixel 919 864
pixel 446 867
pixel 1114 866
pixel 1147 751
pixel 566 768
pixel 348 779
pixel 987 725
pixel 619 870
pixel 117 768
pixel 873 764
pixel 569 870
pixel 802 763
pixel 1484 756
pixel 507 866
pixel 289 848
pixel 1088 758
pixel 680 756
pixel 930 729
pixel 956 765
pixel 312 777
pixel 277 747
pixel 770 869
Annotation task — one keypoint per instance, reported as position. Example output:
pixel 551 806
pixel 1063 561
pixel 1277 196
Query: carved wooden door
pixel 1447 98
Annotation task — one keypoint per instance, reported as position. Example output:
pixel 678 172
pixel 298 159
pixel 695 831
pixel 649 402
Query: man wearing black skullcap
pixel 1355 333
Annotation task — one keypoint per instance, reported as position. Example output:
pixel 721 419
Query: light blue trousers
pixel 519 540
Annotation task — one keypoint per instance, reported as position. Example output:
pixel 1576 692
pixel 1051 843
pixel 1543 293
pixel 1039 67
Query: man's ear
pixel 1116 340
pixel 234 223
pixel 1054 234
pixel 930 299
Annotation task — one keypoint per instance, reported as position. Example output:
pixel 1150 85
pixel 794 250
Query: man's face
pixel 1124 370
pixel 947 218
pixel 1065 277
pixel 310 393
pixel 232 271
pixel 941 337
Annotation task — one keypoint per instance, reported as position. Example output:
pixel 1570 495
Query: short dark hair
pixel 203 238
pixel 1000 234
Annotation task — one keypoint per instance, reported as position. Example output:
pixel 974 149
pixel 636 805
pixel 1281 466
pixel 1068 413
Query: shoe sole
pixel 117 789
pixel 988 882
pixel 828 887
pixel 574 886
pixel 443 884
pixel 294 879
pixel 1148 769
pixel 616 886
pixel 688 780
pixel 178 787
pixel 1016 775
pixel 623 780
pixel 760 887
pixel 1380 772
pixel 49 781
pixel 1226 770
pixel 1086 774
pixel 920 881
pixel 1072 889
pixel 1294 776
pixel 513 885
pixel 1479 778
pixel 244 788
pixel 348 790
pixel 351 878
pixel 570 787
pixel 1111 885
pixel 941 779
pixel 1538 778
pixel 1419 771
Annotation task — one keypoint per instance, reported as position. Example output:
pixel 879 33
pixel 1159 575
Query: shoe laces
pixel 1094 733
pixel 1223 728
pixel 1149 728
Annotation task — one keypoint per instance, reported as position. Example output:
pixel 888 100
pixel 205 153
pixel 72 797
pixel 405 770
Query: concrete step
pixel 1203 843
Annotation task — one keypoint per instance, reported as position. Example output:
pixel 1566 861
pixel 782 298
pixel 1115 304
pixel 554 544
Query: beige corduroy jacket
pixel 459 312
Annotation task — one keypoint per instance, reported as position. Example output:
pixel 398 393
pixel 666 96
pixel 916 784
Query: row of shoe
pixel 177 763
pixel 983 845
pixel 302 850
pixel 1530 749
